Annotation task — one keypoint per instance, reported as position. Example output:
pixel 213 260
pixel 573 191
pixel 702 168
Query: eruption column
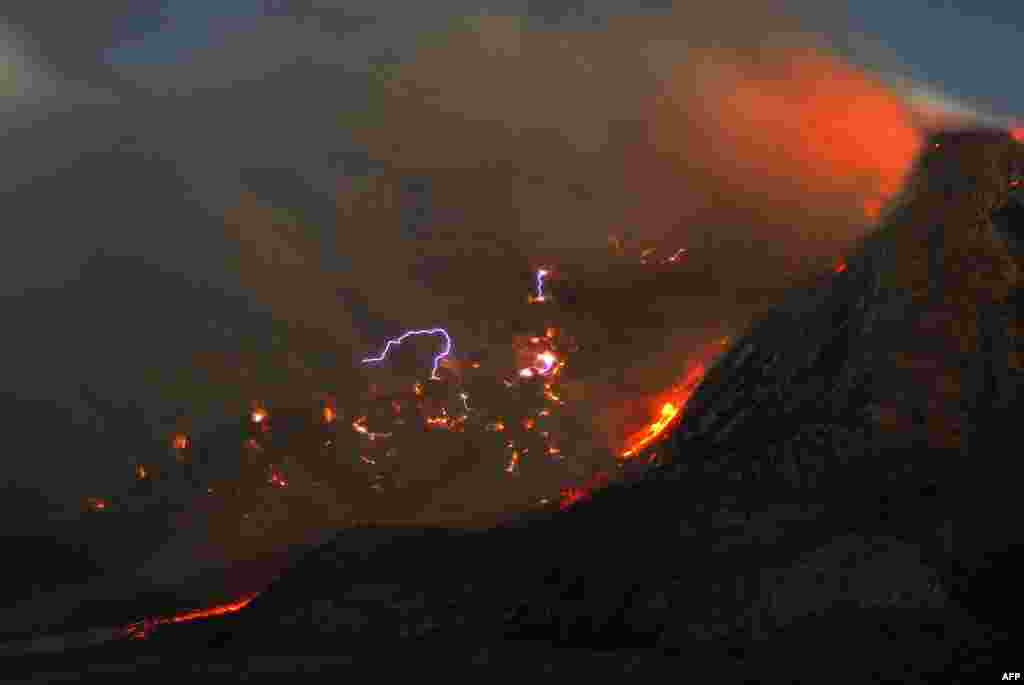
pixel 400 339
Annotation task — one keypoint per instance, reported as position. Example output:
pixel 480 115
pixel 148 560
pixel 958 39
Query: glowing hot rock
pixel 669 412
pixel 143 629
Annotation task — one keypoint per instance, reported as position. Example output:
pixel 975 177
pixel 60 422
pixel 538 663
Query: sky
pixel 187 180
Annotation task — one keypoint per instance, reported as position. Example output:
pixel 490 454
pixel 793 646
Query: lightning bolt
pixel 539 297
pixel 429 331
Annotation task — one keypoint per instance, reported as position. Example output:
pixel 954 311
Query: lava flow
pixel 669 412
pixel 141 630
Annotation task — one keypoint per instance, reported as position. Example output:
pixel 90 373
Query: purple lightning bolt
pixel 541 273
pixel 430 331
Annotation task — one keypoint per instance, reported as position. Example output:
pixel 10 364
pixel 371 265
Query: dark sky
pixel 173 171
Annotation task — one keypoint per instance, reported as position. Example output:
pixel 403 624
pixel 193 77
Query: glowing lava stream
pixel 669 412
pixel 430 331
pixel 142 629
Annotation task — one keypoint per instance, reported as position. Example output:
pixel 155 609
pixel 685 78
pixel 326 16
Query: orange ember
pixel 840 267
pixel 180 441
pixel 513 463
pixel 570 496
pixel 438 421
pixel 330 415
pixel 258 415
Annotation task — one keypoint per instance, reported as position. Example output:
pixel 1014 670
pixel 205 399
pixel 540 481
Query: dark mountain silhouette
pixel 839 501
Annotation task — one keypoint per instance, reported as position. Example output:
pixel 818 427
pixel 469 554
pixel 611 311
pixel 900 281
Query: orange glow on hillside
pixel 668 413
pixel 1018 134
pixel 142 629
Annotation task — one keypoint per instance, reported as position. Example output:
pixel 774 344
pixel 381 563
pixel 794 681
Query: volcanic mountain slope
pixel 839 493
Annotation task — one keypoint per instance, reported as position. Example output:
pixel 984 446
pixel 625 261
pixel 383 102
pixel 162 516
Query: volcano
pixel 838 497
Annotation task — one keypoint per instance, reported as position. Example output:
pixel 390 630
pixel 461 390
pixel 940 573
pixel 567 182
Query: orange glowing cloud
pixel 798 131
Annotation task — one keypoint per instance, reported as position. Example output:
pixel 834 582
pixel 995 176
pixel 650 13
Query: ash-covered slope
pixel 909 360
pixel 840 492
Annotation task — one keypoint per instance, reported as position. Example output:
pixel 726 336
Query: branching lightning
pixel 429 331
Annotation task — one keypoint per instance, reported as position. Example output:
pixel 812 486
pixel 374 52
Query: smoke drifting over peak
pixel 665 129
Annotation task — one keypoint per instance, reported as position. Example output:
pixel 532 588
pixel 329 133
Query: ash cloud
pixel 657 127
